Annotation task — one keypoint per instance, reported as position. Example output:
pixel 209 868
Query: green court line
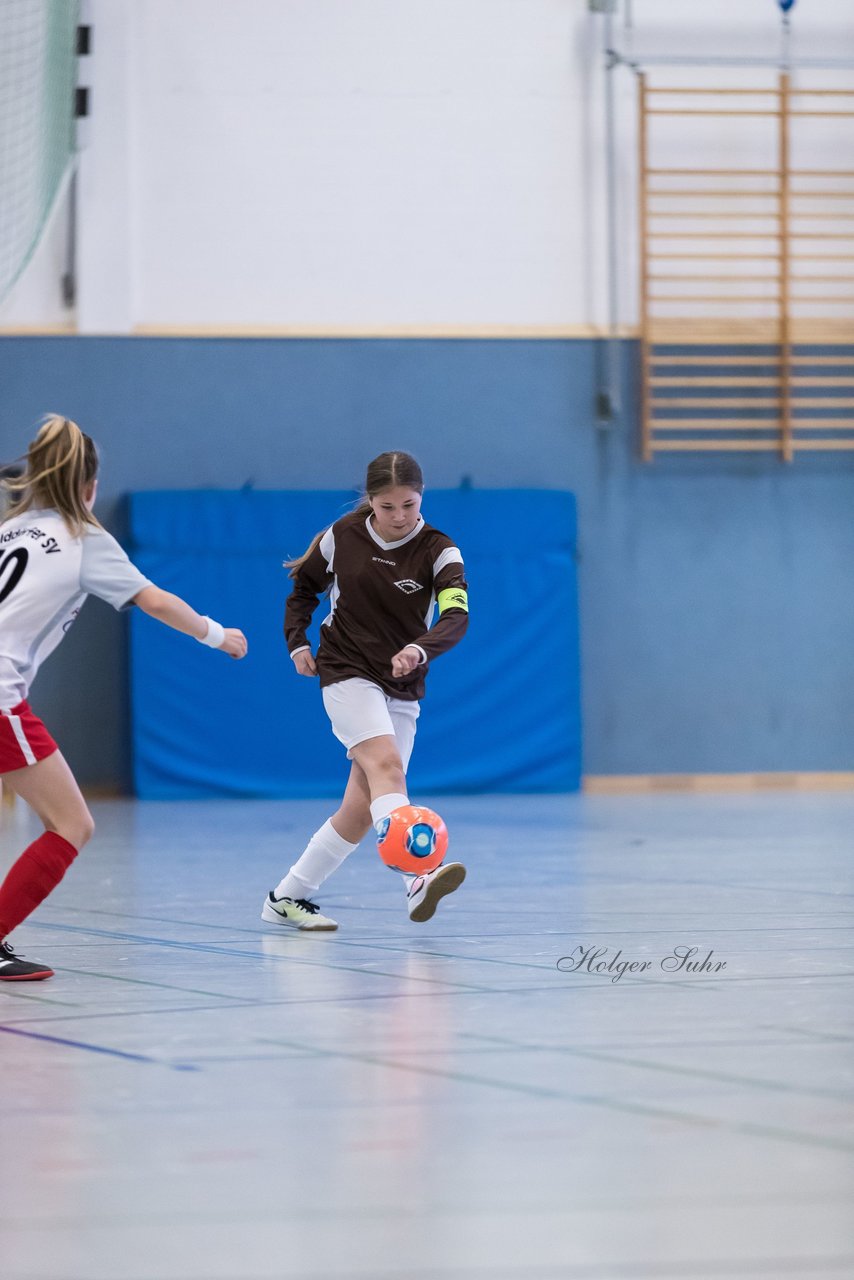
pixel 123 1013
pixel 832 1036
pixel 284 1002
pixel 531 1091
pixel 26 995
pixel 454 1209
pixel 687 1118
pixel 473 958
pixel 134 915
pixel 217 949
pixel 147 982
pixel 736 885
pixel 718 1077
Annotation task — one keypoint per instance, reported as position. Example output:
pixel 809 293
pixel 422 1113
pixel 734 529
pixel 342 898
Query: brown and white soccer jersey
pixel 383 596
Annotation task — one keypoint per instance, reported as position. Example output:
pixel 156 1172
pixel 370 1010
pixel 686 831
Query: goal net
pixel 37 84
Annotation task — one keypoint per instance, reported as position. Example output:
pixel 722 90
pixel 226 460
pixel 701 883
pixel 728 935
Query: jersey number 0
pixel 18 561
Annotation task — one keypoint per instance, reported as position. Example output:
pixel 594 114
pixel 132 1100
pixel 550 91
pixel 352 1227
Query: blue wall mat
pixel 501 711
pixel 716 606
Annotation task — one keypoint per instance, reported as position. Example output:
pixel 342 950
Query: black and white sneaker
pixel 16 969
pixel 296 913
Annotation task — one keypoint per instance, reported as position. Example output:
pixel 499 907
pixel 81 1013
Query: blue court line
pixel 218 949
pixel 97 1048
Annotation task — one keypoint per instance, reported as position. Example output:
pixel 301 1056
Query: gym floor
pixel 200 1096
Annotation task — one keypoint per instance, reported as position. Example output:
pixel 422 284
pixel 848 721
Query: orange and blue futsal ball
pixel 412 839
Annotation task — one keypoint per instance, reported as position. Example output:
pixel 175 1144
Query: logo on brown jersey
pixel 407 585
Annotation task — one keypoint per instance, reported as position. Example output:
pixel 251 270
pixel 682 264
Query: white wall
pixel 358 163
pixel 36 299
pixel 368 163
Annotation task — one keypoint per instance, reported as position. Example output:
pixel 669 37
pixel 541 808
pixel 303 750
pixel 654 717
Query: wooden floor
pixel 199 1096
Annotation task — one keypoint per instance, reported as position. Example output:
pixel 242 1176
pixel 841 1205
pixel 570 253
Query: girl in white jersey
pixel 385 570
pixel 53 553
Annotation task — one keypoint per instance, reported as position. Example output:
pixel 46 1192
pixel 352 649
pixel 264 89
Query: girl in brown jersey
pixel 384 570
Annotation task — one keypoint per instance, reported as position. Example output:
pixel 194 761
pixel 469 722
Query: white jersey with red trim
pixel 45 576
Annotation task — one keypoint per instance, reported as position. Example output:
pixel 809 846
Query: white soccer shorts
pixel 358 710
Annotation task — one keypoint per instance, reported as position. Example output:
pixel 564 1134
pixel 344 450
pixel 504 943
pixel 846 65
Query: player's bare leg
pixel 380 760
pixel 51 791
pixel 352 818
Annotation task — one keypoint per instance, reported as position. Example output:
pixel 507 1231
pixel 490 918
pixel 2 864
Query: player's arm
pixel 313 578
pixel 106 572
pixel 176 613
pixel 450 627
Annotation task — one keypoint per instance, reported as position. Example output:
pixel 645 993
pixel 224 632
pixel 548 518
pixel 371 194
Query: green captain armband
pixel 453 598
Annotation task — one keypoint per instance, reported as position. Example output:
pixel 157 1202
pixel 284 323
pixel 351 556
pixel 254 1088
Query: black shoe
pixel 15 969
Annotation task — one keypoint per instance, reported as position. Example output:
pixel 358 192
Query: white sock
pixel 323 854
pixel 383 805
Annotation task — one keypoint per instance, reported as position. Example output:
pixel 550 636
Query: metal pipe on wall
pixel 608 393
pixel 609 397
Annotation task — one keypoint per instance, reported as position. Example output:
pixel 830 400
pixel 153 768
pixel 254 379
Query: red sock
pixel 38 870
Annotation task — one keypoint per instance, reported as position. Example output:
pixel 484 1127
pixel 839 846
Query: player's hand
pixel 304 663
pixel 234 644
pixel 405 661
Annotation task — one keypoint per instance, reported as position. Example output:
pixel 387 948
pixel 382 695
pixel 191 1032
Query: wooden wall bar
pixel 747 265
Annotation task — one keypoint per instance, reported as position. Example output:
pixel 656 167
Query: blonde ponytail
pixel 61 466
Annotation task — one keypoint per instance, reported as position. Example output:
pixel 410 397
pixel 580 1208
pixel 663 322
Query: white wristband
pixel 215 634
